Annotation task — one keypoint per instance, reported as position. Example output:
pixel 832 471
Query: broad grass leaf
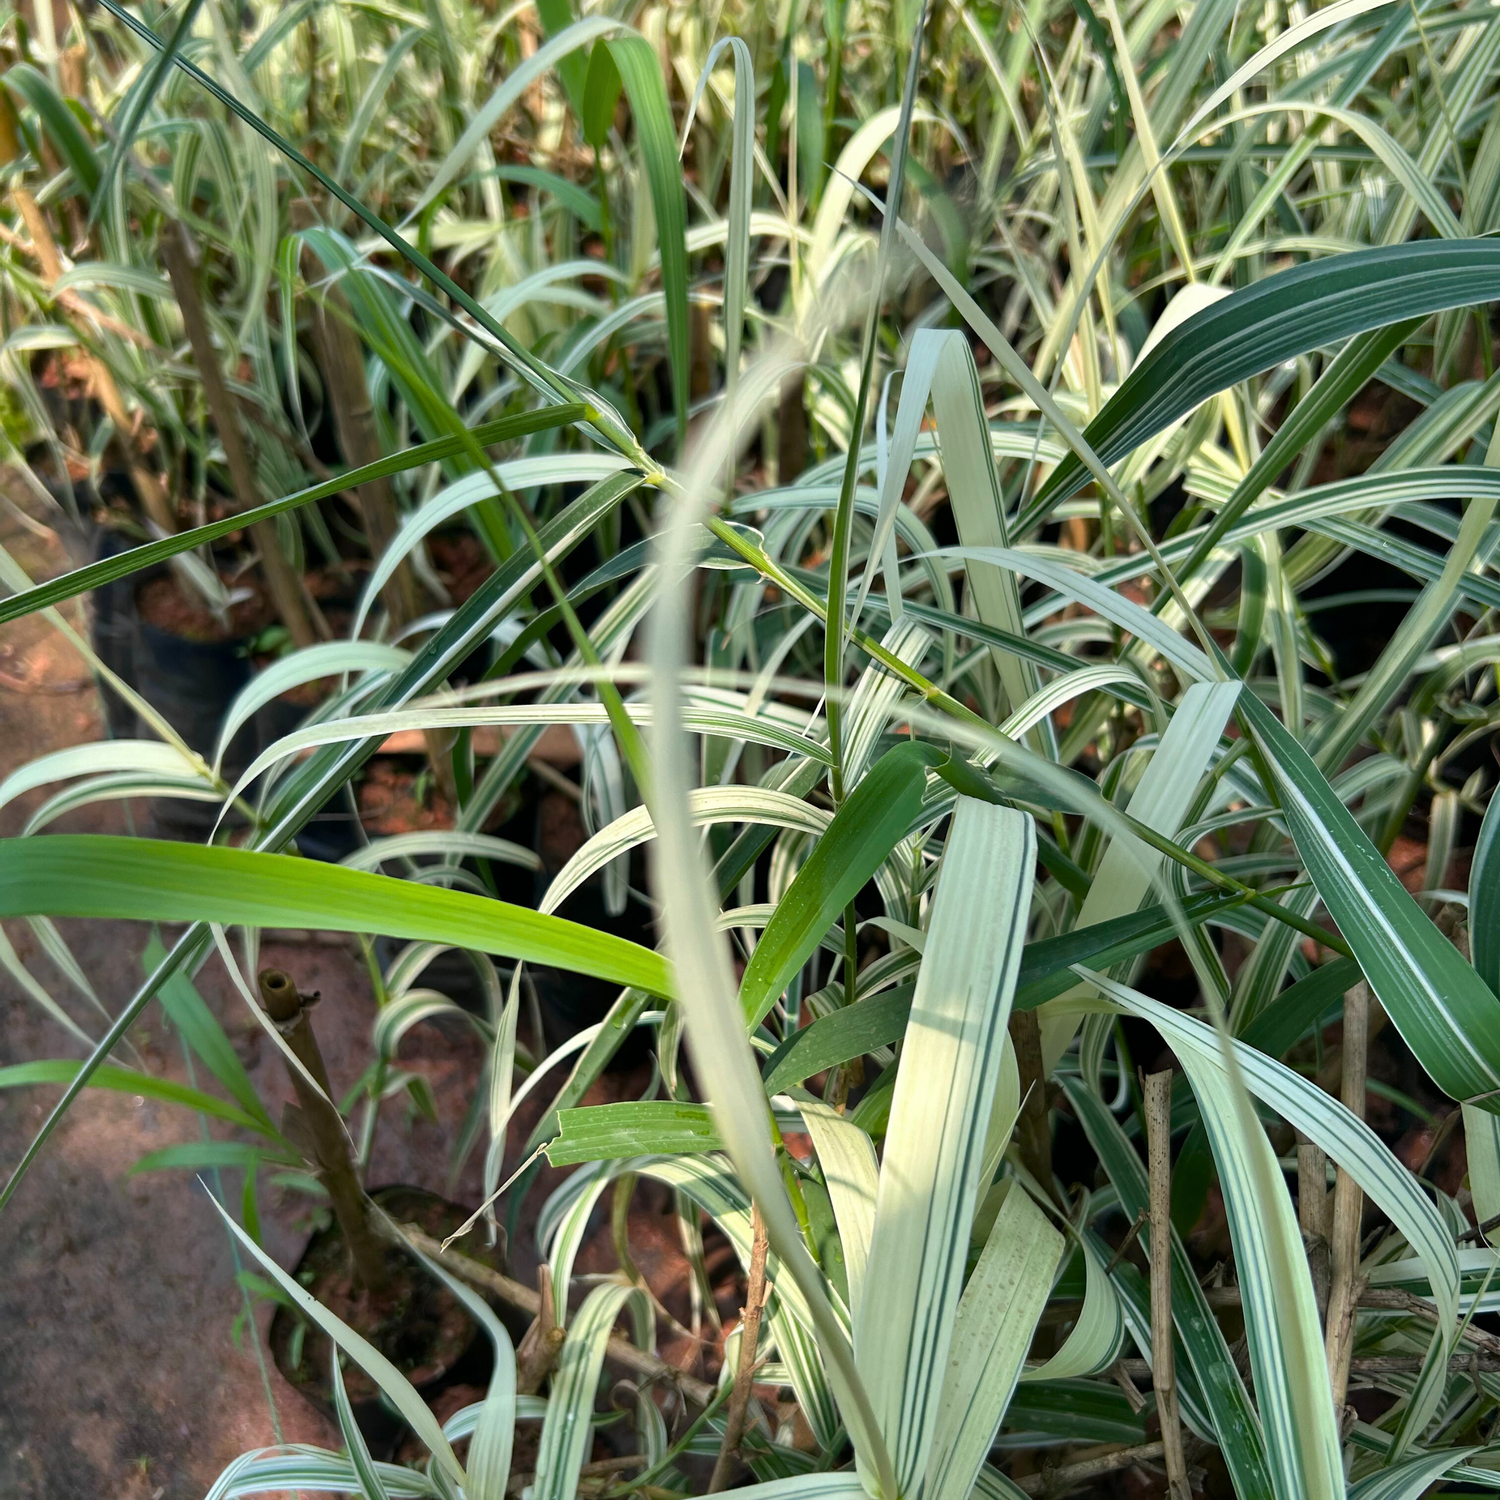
pixel 939 1119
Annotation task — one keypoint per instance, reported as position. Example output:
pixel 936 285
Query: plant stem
pixel 325 1130
pixel 284 585
pixel 543 1341
pixel 1033 1134
pixel 1313 1216
pixel 1348 1202
pixel 1088 1468
pixel 1163 1373
pixel 739 1401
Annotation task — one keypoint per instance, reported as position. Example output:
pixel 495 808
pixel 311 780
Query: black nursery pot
pixel 192 684
pixel 114 630
pixel 428 1336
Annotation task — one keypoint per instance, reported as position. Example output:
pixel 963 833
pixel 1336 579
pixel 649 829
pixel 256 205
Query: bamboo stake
pixel 1348 1202
pixel 1163 1374
pixel 284 585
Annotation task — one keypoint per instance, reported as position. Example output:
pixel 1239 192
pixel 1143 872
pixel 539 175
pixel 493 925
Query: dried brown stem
pixel 744 1370
pixel 1159 1146
pixel 543 1341
pixel 1088 1468
pixel 284 585
pixel 1348 1202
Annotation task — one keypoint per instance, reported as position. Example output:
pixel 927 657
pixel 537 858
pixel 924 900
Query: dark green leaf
pixel 1278 318
pixel 849 1032
pixel 601 93
pixel 94 875
pixel 875 817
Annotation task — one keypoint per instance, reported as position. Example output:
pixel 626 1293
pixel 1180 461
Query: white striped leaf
pixel 847 1156
pixel 929 1178
pixel 370 1485
pixel 992 1332
pixel 709 806
pixel 567 1429
pixel 1444 1011
pixel 1099 1334
pixel 1161 800
pixel 325 659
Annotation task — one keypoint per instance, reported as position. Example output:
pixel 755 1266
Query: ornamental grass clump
pixel 1005 499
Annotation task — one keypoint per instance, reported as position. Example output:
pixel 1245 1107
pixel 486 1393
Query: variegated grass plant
pixel 1076 321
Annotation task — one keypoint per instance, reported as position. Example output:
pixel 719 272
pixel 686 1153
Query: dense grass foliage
pixel 1005 498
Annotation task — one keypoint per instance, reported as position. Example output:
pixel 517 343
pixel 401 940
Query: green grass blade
pixel 876 816
pixel 1276 319
pixel 741 191
pixel 1444 1011
pixel 1353 367
pixel 101 875
pixel 641 72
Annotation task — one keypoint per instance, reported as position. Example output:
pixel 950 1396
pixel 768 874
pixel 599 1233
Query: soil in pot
pixel 421 1327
